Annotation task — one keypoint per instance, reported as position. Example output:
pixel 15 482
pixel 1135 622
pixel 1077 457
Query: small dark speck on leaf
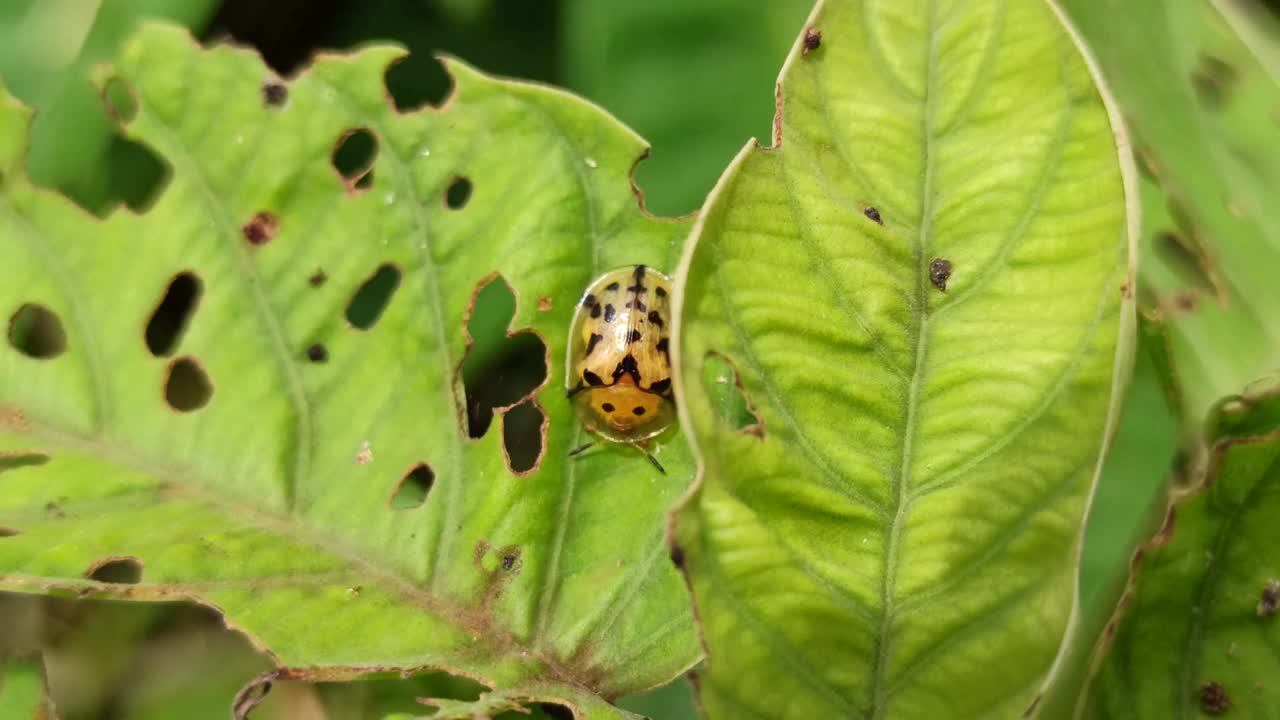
pixel 1270 600
pixel 317 353
pixel 872 214
pixel 317 278
pixel 939 273
pixel 812 40
pixel 508 561
pixel 261 228
pixel 1213 699
pixel 274 93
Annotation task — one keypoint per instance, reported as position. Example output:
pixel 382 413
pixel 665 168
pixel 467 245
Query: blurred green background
pixel 693 77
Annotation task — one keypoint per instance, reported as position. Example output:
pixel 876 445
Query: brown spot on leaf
pixel 812 40
pixel 544 303
pixel 677 555
pixel 261 228
pixel 1213 699
pixel 317 278
pixel 1270 600
pixel 872 214
pixel 939 273
pixel 274 93
pixel 317 353
pixel 8 532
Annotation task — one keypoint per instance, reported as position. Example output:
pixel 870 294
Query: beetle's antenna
pixel 583 448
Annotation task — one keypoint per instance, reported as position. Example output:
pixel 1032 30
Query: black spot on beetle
pixel 639 273
pixel 637 305
pixel 660 292
pixel 1213 699
pixel 872 214
pixel 274 93
pixel 317 353
pixel 637 410
pixel 591 378
pixel 637 289
pixel 611 287
pixel 662 347
pixel 589 301
pixel 661 386
pixel 608 313
pixel 628 366
pixel 655 318
pixel 939 273
pixel 591 344
pixel 607 407
pixel 812 40
pixel 595 311
pixel 635 336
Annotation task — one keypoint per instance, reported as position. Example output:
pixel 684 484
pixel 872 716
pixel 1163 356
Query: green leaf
pixel 1194 613
pixel 22 690
pixel 902 541
pixel 246 454
pixel 1199 86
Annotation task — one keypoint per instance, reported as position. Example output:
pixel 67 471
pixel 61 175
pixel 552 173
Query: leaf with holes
pixel 279 392
pixel 1199 85
pixel 1200 625
pixel 919 290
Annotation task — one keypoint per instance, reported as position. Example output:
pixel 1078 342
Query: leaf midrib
pixel 879 684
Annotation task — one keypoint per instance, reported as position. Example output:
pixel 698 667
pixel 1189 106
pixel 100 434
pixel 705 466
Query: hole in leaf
pixel 169 319
pixel 554 711
pixel 35 331
pixel 118 570
pixel 353 158
pixel 501 368
pixel 729 401
pixel 372 298
pixel 138 174
pixel 8 532
pixel 187 387
pixel 413 488
pixel 458 193
pixel 261 228
pixel 523 437
pixel 417 81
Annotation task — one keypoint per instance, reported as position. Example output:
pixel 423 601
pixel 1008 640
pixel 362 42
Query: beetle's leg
pixel 652 459
pixel 583 448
